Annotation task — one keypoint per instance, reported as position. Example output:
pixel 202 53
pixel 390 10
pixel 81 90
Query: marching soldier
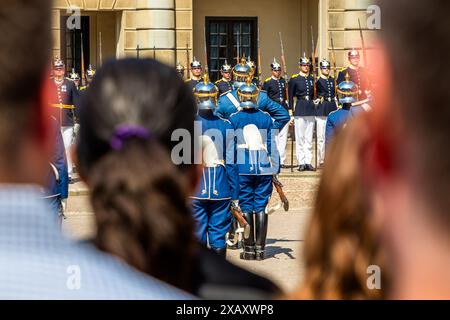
pixel 65 104
pixel 326 93
pixel 301 86
pixel 347 93
pixel 75 78
pixel 257 160
pixel 275 86
pixel 224 84
pixel 358 75
pixel 90 73
pixel 229 103
pixel 196 74
pixel 180 70
pixel 219 186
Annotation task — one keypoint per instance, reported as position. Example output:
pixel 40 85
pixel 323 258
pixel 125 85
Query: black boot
pixel 261 224
pixel 221 252
pixel 249 244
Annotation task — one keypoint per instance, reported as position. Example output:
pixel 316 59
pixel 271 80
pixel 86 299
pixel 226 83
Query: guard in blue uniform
pixel 276 86
pixel 225 84
pixel 229 103
pixel 196 74
pixel 57 187
pixel 65 102
pixel 347 92
pixel 358 75
pixel 301 86
pixel 219 186
pixel 326 93
pixel 257 160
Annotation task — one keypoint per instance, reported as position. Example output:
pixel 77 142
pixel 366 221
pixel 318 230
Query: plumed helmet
pixel 226 67
pixel 90 71
pixel 325 64
pixel 248 95
pixel 74 76
pixel 275 66
pixel 206 93
pixel 353 54
pixel 241 72
pixel 180 68
pixel 347 91
pixel 195 64
pixel 304 61
pixel 58 64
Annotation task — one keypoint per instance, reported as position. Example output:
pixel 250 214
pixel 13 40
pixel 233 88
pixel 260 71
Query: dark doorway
pixel 74 42
pixel 229 38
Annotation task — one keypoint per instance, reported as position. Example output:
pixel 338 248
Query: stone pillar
pixel 343 25
pixel 151 26
pixel 184 35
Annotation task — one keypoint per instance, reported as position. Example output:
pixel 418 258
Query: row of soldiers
pixel 260 118
pixel 315 99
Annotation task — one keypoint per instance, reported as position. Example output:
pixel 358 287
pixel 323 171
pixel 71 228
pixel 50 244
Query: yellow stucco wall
pixel 290 17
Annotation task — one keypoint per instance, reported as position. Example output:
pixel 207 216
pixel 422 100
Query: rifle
pixel 100 48
pixel 83 76
pixel 237 47
pixel 279 187
pixel 154 52
pixel 283 63
pixel 206 54
pixel 363 43
pixel 188 64
pixel 243 224
pixel 333 58
pixel 313 55
pixel 259 61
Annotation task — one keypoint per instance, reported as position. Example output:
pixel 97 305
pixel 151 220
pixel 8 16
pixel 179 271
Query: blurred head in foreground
pixel 407 159
pixel 124 154
pixel 341 242
pixel 25 133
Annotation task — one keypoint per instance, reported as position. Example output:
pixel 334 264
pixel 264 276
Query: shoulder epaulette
pixel 294 76
pixel 217 81
pixel 187 80
pixel 268 79
pixel 83 88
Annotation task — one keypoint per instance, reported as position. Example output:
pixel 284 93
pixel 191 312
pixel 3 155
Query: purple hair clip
pixel 124 133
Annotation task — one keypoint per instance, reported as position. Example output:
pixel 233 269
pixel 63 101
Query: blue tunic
pixel 280 115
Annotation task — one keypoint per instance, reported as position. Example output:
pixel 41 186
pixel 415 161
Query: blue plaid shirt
pixel 38 262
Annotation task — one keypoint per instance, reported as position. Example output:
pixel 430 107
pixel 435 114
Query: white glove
pixel 64 205
pixel 235 203
pixel 316 102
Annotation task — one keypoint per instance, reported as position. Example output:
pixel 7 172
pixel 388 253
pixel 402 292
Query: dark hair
pixel 416 36
pixel 25 46
pixel 138 195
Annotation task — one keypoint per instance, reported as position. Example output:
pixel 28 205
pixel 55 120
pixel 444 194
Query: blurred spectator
pixel 57 186
pixel 139 196
pixel 407 159
pixel 36 261
pixel 341 242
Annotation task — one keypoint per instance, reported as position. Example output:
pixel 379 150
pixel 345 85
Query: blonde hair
pixel 341 242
